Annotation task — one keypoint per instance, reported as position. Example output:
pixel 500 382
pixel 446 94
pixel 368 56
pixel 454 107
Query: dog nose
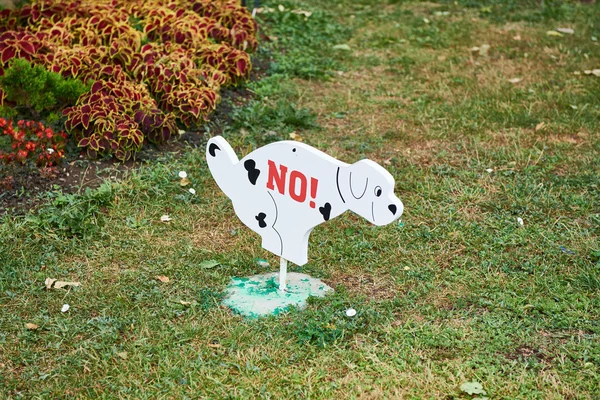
pixel 393 208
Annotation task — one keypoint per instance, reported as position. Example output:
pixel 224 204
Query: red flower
pixel 30 146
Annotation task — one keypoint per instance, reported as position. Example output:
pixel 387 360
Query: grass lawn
pixel 482 112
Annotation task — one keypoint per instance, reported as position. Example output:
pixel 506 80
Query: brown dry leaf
pixel 295 137
pixel 184 182
pixel 554 33
pixel 31 326
pixel 214 345
pixel 185 303
pixel 596 72
pixel 163 279
pixel 56 284
pixel 515 80
pixel 123 355
pixel 540 126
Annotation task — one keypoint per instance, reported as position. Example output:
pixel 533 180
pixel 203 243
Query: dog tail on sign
pixel 222 159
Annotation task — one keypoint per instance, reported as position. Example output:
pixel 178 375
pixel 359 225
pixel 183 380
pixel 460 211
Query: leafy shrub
pixel 171 58
pixel 32 141
pixel 116 119
pixel 37 89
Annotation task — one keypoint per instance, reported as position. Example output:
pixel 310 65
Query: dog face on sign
pixel 370 192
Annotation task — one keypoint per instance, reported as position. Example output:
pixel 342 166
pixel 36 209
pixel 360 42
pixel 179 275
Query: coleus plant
pixel 117 118
pixel 158 61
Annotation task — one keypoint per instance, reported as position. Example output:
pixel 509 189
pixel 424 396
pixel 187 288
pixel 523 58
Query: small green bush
pixel 74 215
pixel 38 91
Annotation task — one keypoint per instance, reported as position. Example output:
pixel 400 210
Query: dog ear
pixel 358 179
pixel 353 180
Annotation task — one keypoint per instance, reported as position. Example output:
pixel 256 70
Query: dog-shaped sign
pixel 283 190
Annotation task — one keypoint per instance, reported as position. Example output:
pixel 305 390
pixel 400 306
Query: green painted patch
pixel 259 295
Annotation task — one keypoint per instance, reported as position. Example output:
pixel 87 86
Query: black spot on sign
pixel 253 172
pixel 261 220
pixel 212 148
pixel 325 211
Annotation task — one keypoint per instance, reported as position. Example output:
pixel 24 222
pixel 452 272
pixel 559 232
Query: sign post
pixel 282 191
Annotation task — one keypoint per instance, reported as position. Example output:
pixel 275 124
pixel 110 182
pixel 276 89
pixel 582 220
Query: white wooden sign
pixel 283 190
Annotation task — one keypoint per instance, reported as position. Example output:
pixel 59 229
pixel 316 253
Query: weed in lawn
pixel 73 215
pixel 325 322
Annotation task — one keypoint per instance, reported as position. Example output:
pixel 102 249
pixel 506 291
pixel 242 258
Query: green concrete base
pixel 259 295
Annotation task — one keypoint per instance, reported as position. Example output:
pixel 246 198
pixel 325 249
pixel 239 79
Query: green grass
pixel 456 292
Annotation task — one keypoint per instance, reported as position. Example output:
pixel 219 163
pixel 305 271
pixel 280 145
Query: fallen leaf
pixel 540 126
pixel 489 170
pixel 209 264
pixel 554 33
pixel 481 50
pixel 262 262
pixel 214 345
pixel 56 284
pixel 302 12
pixel 472 388
pixel 342 47
pixel 184 182
pixel 281 8
pixel 596 72
pixel 31 326
pixel 515 80
pixel 61 284
pixel 165 218
pixel 296 137
pixel 517 37
pixel 163 279
pixel 185 303
pixel 426 20
pixel 123 355
pixel 566 30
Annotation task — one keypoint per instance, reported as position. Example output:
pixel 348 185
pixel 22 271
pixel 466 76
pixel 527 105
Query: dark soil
pixel 21 186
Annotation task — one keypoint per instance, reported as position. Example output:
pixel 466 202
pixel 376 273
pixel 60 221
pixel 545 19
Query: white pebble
pixel 351 312
pixel 182 174
pixel 489 170
pixel 192 190
pixel 65 308
pixel 520 221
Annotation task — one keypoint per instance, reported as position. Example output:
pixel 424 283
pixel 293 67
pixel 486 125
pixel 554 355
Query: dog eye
pixel 378 191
